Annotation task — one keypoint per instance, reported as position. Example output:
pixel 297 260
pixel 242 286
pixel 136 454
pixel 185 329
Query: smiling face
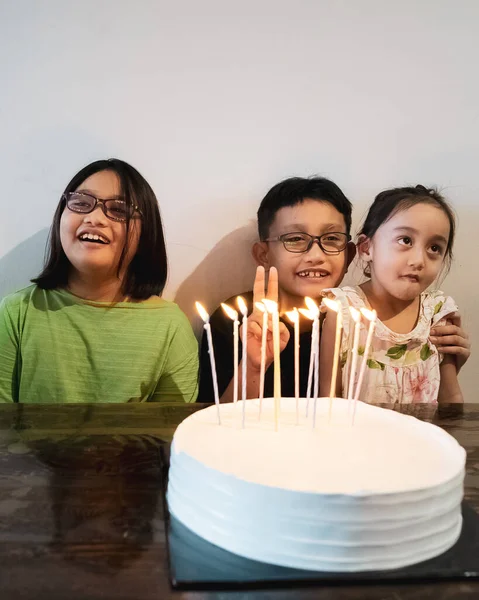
pixel 406 254
pixel 307 273
pixel 93 243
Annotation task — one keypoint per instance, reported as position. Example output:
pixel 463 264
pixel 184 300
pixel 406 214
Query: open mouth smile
pixel 93 238
pixel 312 274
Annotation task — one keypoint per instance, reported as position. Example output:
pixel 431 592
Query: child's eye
pixel 436 249
pixel 405 240
pixel 80 204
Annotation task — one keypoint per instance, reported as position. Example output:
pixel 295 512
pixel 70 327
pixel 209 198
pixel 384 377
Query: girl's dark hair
pixel 148 270
pixel 388 203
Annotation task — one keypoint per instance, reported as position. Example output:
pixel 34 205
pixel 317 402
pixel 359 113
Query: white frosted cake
pixel 382 494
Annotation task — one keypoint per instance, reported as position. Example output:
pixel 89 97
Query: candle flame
pixel 331 304
pixel 311 304
pixel 260 306
pixel 230 312
pixel 370 315
pixel 242 306
pixel 306 313
pixel 202 312
pixel 293 315
pixel 271 305
pixel 355 314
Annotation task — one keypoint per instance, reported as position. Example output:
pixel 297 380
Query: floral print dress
pixel 401 367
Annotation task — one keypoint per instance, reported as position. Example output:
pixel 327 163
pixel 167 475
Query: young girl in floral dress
pixel 406 242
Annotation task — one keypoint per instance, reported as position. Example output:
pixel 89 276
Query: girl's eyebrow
pixel 91 193
pixel 412 230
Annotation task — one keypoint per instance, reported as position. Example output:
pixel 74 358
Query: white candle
pixel 314 310
pixel 293 316
pixel 206 318
pixel 356 317
pixel 264 333
pixel 309 315
pixel 232 314
pixel 335 306
pixel 244 324
pixel 272 308
pixel 316 377
pixel 371 316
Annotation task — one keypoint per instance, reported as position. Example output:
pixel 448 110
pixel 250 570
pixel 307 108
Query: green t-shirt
pixel 56 347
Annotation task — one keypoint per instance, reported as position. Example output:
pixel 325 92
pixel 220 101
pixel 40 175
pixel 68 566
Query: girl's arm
pixel 449 390
pixel 9 340
pixel 179 384
pixel 326 356
pixel 179 380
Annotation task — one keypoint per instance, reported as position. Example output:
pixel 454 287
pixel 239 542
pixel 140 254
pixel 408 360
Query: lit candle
pixel 244 324
pixel 206 318
pixel 232 314
pixel 272 308
pixel 371 316
pixel 336 307
pixel 264 333
pixel 293 316
pixel 313 308
pixel 356 316
pixel 309 315
pixel 316 377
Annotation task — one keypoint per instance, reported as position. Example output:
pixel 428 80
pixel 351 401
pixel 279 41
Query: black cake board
pixel 196 564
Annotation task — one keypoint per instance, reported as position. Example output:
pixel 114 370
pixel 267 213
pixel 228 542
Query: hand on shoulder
pixel 452 339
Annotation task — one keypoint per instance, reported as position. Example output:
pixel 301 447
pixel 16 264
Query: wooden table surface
pixel 81 513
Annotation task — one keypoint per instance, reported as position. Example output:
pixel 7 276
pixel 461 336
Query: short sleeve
pixel 9 355
pixel 346 297
pixel 179 380
pixel 440 306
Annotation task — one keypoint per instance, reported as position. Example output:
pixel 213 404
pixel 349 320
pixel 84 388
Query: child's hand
pixel 255 321
pixel 452 339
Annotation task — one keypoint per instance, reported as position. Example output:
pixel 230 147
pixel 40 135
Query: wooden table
pixel 81 513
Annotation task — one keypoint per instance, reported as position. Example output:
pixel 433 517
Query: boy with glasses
pixel 304 230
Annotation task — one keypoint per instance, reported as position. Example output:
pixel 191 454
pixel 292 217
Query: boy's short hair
pixel 295 190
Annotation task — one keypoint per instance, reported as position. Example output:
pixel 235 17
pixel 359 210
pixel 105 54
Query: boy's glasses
pixel 330 243
pixel 115 209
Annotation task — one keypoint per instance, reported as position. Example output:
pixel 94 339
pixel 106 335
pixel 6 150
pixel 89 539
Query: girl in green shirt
pixel 93 327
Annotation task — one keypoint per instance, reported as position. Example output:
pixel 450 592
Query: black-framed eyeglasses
pixel 116 209
pixel 332 242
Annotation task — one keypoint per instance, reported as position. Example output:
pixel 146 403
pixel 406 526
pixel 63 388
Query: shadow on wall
pixel 22 263
pixel 228 269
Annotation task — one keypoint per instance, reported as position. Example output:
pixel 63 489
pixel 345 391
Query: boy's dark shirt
pixel 222 333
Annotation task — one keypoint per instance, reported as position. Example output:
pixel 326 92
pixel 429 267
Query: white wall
pixel 215 101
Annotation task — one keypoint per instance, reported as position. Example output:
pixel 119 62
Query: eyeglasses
pixel 115 209
pixel 297 241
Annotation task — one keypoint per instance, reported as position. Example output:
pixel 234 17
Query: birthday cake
pixel 382 493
